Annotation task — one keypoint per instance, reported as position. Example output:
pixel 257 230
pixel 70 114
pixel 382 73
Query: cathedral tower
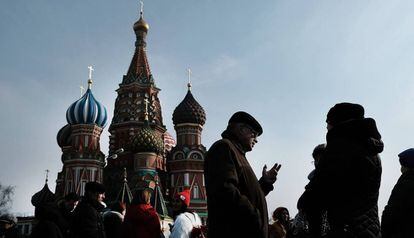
pixel 82 158
pixel 137 127
pixel 186 161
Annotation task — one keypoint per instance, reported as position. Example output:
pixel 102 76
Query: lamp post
pixel 113 155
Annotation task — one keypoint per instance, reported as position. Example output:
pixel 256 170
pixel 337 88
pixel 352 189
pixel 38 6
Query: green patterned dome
pixel 147 141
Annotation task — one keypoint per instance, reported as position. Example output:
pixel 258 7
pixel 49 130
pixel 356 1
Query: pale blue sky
pixel 285 62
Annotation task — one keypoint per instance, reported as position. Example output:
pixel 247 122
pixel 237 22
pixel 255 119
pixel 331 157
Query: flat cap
pixel 246 118
pixel 407 158
pixel 94 187
pixel 343 112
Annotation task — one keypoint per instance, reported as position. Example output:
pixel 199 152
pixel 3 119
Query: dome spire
pixel 47 176
pixel 141 12
pixel 189 79
pixel 141 25
pixel 91 69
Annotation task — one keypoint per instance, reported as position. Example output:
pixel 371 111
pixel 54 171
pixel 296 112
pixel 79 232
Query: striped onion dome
pixel 87 110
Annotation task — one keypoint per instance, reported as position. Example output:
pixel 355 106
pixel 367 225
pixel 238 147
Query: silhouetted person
pixel 347 180
pixel 8 228
pixel 236 199
pixel 66 207
pixel 113 219
pixel 398 215
pixel 87 217
pixel 184 220
pixel 316 219
pixel 49 219
pixel 281 225
pixel 141 219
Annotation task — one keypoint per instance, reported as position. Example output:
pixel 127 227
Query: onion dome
pixel 42 197
pixel 141 25
pixel 189 111
pixel 87 110
pixel 63 136
pixel 146 140
pixel 169 141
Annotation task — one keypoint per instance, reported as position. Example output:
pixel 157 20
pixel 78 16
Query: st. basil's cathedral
pixel 146 154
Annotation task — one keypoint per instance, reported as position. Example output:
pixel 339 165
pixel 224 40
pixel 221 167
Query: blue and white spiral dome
pixel 87 110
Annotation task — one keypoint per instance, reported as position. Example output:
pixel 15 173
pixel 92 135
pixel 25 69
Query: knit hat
pixel 343 112
pixel 184 196
pixel 407 158
pixel 246 118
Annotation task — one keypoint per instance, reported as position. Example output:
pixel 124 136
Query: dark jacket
pixel 236 199
pixel 141 221
pixel 398 215
pixel 347 180
pixel 87 220
pixel 66 220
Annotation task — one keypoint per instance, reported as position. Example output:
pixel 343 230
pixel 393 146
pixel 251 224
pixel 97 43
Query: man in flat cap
pixel 236 199
pixel 398 215
pixel 87 216
pixel 347 179
pixel 8 226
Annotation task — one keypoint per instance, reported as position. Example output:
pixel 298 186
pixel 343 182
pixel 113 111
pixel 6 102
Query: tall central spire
pixel 139 70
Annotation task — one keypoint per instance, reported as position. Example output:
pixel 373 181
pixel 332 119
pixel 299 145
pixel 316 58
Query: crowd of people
pixel 339 201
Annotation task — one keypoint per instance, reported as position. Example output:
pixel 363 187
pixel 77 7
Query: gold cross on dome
pixel 141 12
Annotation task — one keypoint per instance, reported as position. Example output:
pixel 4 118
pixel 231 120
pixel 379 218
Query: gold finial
pixel 90 76
pixel 47 176
pixel 146 102
pixel 189 79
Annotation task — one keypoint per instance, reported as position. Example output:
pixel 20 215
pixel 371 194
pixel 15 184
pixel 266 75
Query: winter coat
pixel 347 180
pixel 398 215
pixel 184 224
pixel 87 220
pixel 236 199
pixel 113 224
pixel 141 221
